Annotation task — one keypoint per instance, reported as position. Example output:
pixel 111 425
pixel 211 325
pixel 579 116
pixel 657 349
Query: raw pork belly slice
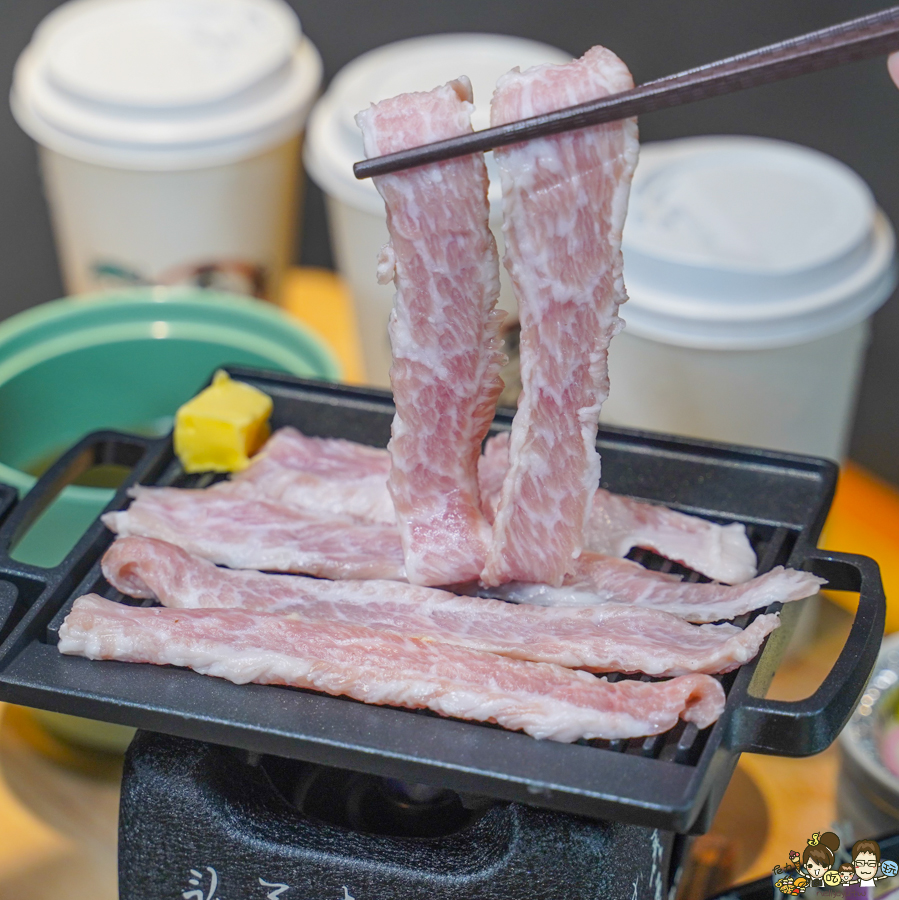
pixel 325 474
pixel 616 524
pixel 609 639
pixel 564 202
pixel 443 331
pixel 254 533
pixel 544 700
pixel 604 579
pixel 329 475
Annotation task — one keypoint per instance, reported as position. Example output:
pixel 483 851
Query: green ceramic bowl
pixel 124 360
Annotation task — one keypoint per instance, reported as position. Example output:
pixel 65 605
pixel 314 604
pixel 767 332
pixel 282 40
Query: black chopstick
pixel 871 35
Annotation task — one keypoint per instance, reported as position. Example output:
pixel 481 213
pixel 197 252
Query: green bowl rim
pixel 76 305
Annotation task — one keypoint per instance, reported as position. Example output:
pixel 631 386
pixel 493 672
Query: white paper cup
pixel 356 215
pixel 752 268
pixel 169 135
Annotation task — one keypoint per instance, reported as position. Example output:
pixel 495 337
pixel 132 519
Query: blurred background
pixel 851 113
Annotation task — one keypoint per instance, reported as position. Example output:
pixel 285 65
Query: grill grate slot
pixel 776 549
pixel 652 746
pixel 684 743
pixel 686 750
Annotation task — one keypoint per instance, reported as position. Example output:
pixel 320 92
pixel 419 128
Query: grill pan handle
pixel 136 452
pixel 806 727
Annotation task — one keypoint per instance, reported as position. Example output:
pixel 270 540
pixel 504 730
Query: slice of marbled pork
pixel 616 524
pixel 611 638
pixel 597 579
pixel 329 475
pixel 256 533
pixel 443 332
pixel 253 533
pixel 375 666
pixel 564 203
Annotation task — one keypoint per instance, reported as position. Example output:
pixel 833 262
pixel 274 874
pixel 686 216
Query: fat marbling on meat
pixel 375 666
pixel 443 332
pixel 257 533
pixel 330 475
pixel 565 199
pixel 611 638
pixel 616 524
pixel 598 579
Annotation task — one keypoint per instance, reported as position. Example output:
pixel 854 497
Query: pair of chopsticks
pixel 847 42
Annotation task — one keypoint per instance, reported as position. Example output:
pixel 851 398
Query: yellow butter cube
pixel 222 427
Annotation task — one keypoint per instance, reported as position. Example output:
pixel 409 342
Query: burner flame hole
pixel 371 804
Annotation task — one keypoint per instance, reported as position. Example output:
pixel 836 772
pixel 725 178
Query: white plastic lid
pixel 743 243
pixel 333 140
pixel 165 83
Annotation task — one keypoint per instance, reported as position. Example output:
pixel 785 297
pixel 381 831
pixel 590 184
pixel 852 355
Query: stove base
pixel 204 822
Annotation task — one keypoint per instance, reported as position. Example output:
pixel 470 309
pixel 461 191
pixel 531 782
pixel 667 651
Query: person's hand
pixel 893 66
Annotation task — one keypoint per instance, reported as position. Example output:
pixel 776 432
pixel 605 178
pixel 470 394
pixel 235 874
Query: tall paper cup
pixel 356 215
pixel 169 135
pixel 752 267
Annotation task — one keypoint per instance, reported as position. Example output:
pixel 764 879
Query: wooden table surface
pixel 58 815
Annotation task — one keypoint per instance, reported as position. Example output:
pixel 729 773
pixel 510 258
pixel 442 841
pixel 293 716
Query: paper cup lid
pixel 333 140
pixel 148 83
pixel 740 242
